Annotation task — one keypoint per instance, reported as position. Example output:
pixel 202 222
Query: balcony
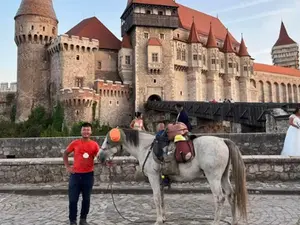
pixel 149 20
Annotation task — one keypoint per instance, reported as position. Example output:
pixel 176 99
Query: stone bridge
pixel 249 114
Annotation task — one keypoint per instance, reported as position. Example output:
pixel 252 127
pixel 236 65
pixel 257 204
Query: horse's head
pixel 113 144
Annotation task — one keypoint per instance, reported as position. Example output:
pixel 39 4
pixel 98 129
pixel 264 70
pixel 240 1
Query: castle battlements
pixel 65 43
pixel 109 88
pixel 76 96
pixel 8 87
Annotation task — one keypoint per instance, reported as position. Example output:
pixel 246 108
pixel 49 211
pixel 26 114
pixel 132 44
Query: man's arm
pixel 66 154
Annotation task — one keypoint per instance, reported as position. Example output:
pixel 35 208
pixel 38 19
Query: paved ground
pixel 181 209
pixel 282 188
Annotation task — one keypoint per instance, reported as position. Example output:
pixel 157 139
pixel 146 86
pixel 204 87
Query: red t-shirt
pixel 84 154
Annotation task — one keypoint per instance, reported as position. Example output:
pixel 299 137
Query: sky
pixel 258 20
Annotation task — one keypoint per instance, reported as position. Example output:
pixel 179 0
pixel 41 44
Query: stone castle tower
pixel 285 51
pixel 35 27
pixel 150 29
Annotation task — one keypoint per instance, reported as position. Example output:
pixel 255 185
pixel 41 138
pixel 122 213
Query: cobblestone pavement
pixel 181 209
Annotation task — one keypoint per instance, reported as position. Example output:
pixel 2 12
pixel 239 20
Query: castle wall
pixel 181 85
pixel 78 104
pixel 276 87
pixel 106 61
pixel 116 104
pixel 75 59
pixel 32 34
pixel 147 84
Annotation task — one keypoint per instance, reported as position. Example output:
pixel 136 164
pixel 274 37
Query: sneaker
pixel 83 222
pixel 73 223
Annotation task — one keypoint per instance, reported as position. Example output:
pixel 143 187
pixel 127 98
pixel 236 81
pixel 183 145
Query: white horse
pixel 213 155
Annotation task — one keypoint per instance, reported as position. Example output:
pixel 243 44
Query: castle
pixel 168 52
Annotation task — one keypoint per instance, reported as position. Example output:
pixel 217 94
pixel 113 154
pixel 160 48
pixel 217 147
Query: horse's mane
pixel 132 136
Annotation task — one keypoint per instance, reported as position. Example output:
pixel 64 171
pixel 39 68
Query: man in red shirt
pixel 81 173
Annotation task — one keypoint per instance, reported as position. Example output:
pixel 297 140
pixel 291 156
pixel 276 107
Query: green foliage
pixel 42 124
pixel 98 130
pixel 13 113
pixel 10 97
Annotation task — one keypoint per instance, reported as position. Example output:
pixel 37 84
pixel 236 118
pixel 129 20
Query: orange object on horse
pixel 176 129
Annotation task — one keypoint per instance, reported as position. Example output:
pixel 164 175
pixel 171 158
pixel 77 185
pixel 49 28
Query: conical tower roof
pixel 193 37
pixel 284 38
pixel 37 7
pixel 211 40
pixel 227 47
pixel 243 49
pixel 126 42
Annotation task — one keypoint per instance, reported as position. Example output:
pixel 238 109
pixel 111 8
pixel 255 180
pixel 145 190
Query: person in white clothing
pixel 291 145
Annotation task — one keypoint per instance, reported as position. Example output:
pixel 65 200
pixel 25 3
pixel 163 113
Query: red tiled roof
pixel 227 47
pixel 283 38
pixel 126 41
pixel 154 2
pixel 211 40
pixel 202 22
pixel 193 37
pixel 154 42
pixel 276 69
pixel 243 49
pixel 92 28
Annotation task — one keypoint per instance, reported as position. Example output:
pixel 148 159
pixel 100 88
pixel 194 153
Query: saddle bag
pixel 184 151
pixel 176 129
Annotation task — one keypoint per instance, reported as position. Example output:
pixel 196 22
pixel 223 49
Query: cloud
pixel 242 5
pixel 261 15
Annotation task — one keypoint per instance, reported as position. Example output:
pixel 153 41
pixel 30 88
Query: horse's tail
pixel 239 174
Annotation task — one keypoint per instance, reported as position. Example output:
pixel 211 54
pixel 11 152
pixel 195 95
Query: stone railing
pixel 249 144
pixel 51 170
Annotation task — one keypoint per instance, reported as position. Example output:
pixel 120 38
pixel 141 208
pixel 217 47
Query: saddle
pixel 171 153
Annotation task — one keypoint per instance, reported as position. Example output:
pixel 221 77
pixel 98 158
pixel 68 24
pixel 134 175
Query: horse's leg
pixel 226 185
pixel 155 185
pixel 219 199
pixel 163 211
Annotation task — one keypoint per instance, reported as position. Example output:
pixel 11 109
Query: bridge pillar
pixel 195 81
pixel 212 85
pixel 229 90
pixel 244 90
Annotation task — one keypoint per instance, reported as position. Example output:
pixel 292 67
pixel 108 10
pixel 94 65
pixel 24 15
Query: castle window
pixel 77 57
pixel 53 30
pixel 79 82
pixel 146 35
pixel 32 27
pixel 245 68
pixel 44 28
pixel 117 102
pixel 230 65
pixel 178 54
pixel 160 13
pixel 237 67
pixel 99 65
pixel 154 81
pixel 154 57
pixel 162 36
pixel 110 102
pixel 204 60
pixel 21 28
pixel 181 93
pixel 178 35
pixel 127 60
pixel 183 56
pixel 213 61
pixel 148 11
pixel 195 57
pixel 121 59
